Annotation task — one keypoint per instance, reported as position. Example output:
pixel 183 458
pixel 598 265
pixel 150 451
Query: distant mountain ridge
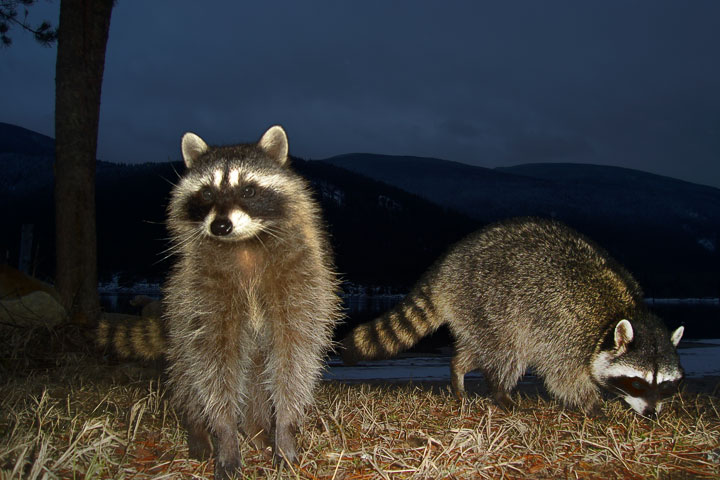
pixel 375 229
pixel 14 139
pixel 27 157
pixel 656 225
pixel 391 216
pixel 576 193
pixel 546 189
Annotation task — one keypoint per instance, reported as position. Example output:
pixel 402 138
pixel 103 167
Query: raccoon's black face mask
pixel 640 364
pixel 233 193
pixel 644 397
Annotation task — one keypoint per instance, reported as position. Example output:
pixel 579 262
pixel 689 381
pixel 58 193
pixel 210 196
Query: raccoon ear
pixel 677 335
pixel 623 334
pixel 275 144
pixel 192 147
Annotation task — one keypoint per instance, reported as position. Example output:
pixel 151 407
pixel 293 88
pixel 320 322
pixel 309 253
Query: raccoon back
pixel 517 277
pixel 524 276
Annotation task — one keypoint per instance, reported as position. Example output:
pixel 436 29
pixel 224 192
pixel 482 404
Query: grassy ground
pixel 68 415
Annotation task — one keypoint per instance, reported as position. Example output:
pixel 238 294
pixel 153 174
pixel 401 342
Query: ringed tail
pixel 133 337
pixel 413 318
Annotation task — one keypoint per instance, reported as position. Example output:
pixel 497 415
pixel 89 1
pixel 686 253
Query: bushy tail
pixel 133 337
pixel 396 330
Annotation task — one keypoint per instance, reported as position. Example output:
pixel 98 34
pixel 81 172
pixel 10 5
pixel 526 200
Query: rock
pixel 141 300
pixel 26 301
pixel 15 284
pixel 152 310
pixel 35 309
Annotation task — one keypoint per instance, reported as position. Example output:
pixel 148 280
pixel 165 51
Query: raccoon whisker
pixel 175 240
pixel 273 232
pixel 174 246
pixel 169 181
pixel 195 235
pixel 167 253
pixel 270 233
pixel 178 244
pixel 175 170
pixel 165 257
pixel 261 242
pixel 620 390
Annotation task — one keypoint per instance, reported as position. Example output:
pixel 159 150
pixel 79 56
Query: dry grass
pixel 77 418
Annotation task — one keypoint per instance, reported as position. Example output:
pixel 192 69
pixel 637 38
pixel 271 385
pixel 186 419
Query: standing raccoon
pixel 534 293
pixel 251 302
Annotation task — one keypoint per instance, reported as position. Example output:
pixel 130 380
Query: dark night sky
pixel 628 83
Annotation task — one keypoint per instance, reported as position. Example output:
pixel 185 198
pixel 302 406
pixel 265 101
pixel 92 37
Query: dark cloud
pixel 490 83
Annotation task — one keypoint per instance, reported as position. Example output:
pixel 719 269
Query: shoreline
pixel 528 385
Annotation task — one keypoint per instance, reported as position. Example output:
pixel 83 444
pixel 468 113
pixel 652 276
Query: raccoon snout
pixel 651 412
pixel 221 227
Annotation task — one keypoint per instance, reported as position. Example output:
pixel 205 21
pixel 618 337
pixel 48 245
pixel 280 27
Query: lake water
pixel 699 358
pixel 699 350
pixel 701 320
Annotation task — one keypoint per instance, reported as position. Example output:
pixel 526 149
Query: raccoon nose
pixel 221 227
pixel 650 412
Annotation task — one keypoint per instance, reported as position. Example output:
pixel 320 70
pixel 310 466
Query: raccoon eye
pixel 206 195
pixel 633 386
pixel 248 192
pixel 669 387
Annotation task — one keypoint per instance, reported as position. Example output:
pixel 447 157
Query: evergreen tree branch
pixel 44 33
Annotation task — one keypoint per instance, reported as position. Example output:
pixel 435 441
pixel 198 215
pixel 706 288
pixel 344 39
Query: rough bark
pixel 82 40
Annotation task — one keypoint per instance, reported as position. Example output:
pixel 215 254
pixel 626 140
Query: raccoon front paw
pixel 228 470
pixel 283 458
pixel 594 410
pixel 460 395
pixel 503 400
pixel 284 452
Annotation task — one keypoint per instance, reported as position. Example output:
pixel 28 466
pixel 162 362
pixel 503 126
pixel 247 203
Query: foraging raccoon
pixel 252 300
pixel 534 293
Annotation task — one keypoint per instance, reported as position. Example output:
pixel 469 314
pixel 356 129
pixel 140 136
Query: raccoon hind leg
pixel 228 460
pixel 467 360
pixel 500 393
pixel 199 441
pixel 463 362
pixel 575 391
pixel 502 375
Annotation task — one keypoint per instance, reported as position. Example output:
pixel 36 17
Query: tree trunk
pixel 82 39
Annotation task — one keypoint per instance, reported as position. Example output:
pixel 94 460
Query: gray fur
pixel 527 293
pixel 249 319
